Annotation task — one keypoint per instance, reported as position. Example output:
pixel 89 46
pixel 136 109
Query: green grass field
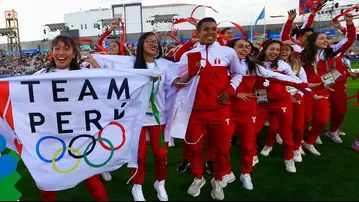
pixel 332 176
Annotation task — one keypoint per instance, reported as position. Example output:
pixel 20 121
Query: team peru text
pixel 37 119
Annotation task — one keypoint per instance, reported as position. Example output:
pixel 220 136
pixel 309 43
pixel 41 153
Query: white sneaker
pixel 255 160
pixel 195 188
pixel 161 191
pixel 267 123
pixel 227 179
pixel 217 191
pixel 279 139
pixel 246 181
pixel 310 148
pixel 334 137
pixel 301 150
pixel 106 176
pixel 137 193
pixel 171 143
pixel 341 133
pixel 318 141
pixel 290 166
pixel 297 156
pixel 309 128
pixel 266 150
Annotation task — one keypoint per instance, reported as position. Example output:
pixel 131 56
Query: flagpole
pixel 252 24
pixel 264 23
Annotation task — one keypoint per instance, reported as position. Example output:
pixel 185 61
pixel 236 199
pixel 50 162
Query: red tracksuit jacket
pixel 222 61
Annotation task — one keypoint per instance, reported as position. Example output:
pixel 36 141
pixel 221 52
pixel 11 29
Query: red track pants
pixel 210 155
pixel 216 122
pixel 93 185
pixel 298 126
pixel 244 123
pixel 338 106
pixel 159 154
pixel 283 112
pixel 319 109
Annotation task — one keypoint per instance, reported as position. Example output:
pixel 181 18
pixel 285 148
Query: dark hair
pixel 254 51
pixel 252 64
pixel 71 42
pixel 310 51
pixel 225 29
pixel 300 32
pixel 305 30
pixel 140 62
pixel 203 20
pixel 262 54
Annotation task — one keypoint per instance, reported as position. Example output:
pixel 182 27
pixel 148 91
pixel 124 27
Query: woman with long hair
pixel 244 105
pixel 65 55
pixel 148 56
pixel 275 101
pixel 288 55
pixel 319 63
pixel 337 98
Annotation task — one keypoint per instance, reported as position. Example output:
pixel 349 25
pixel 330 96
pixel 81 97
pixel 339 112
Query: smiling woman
pixel 64 54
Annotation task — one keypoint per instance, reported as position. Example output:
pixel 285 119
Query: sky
pixel 34 14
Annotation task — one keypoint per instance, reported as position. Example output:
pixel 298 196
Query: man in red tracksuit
pixel 211 110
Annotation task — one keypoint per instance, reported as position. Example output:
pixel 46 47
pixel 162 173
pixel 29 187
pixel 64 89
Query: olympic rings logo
pixel 76 154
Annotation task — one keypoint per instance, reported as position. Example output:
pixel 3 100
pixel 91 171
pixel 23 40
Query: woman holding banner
pixel 148 57
pixel 64 58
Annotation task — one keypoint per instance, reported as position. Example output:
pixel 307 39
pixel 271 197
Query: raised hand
pixel 292 14
pixel 349 18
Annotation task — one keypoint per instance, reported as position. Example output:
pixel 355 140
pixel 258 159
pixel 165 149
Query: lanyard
pixel 158 82
pixel 154 108
pixel 315 65
pixel 51 69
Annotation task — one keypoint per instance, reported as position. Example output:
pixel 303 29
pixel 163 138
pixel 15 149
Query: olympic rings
pixel 123 136
pixel 76 154
pixel 50 137
pixel 104 163
pixel 69 170
pixel 89 152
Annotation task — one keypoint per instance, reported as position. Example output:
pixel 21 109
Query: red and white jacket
pixel 221 61
pixel 342 46
pixel 277 92
pixel 248 85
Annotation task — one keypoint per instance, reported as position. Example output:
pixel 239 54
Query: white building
pixel 84 21
pixel 137 18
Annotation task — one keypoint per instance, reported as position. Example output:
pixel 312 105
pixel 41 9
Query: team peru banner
pixel 69 126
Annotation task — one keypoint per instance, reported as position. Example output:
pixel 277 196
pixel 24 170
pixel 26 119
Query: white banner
pixel 75 124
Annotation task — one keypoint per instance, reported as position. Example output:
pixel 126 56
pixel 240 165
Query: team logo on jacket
pixel 217 61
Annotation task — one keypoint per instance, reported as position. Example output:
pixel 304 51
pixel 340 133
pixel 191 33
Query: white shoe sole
pixel 250 189
pixel 291 171
pixel 199 191
pixel 229 182
pixel 158 195
pixel 297 160
pixel 134 198
pixel 212 195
